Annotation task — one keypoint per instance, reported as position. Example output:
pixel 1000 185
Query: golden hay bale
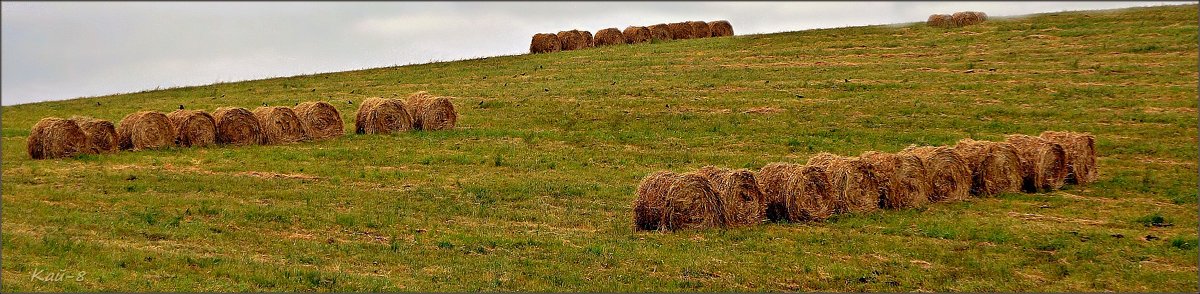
pixel 700 29
pixel 280 125
pixel 744 203
pixel 903 179
pixel 320 120
pixel 54 137
pixel 587 38
pixel 964 18
pixel 681 30
pixel 382 116
pixel 994 166
pixel 193 128
pixel 145 130
pixel 1043 163
pixel 852 186
pixel 948 174
pixel 651 200
pixel 571 40
pixel 720 28
pixel 940 21
pixel 609 37
pixel 692 204
pixel 544 43
pixel 770 182
pixel 101 134
pixel 660 32
pixel 634 35
pixel 237 126
pixel 1080 151
pixel 795 192
pixel 431 113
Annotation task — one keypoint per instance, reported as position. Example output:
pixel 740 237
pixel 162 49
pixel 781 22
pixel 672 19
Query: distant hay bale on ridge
pixel 720 28
pixel 431 113
pixel 660 32
pixel 852 186
pixel 280 125
pixel 700 29
pixel 995 167
pixel 237 126
pixel 635 35
pixel 193 128
pixel 949 176
pixel 681 31
pixel 609 37
pixel 320 120
pixel 101 134
pixel 571 40
pixel 744 204
pixel 588 42
pixel 382 116
pixel 965 18
pixel 145 130
pixel 940 21
pixel 544 43
pixel 54 137
pixel 1080 154
pixel 1043 162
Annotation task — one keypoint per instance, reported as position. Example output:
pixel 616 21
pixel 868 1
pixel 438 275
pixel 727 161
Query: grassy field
pixel 533 191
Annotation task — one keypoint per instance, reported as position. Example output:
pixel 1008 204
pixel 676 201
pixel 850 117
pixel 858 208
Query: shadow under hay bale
pixel 681 31
pixel 692 204
pixel 145 130
pixel 588 42
pixel 280 125
pixel 700 29
pixel 795 193
pixel 193 128
pixel 651 200
pixel 940 21
pixel 1043 163
pixel 744 204
pixel 571 40
pixel 544 43
pixel 635 35
pixel 101 134
pixel 382 116
pixel 720 28
pixel 660 32
pixel 431 113
pixel 320 120
pixel 1080 151
pixel 995 166
pixel 237 126
pixel 903 179
pixel 851 184
pixel 54 137
pixel 948 174
pixel 609 37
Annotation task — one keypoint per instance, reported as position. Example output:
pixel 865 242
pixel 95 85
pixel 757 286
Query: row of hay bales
pixel 576 39
pixel 830 184
pixel 958 19
pixel 54 137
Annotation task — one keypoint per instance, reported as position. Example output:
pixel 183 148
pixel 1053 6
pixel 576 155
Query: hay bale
pixel 852 186
pixel 940 21
pixel 193 128
pixel 903 179
pixel 1043 163
pixel 54 137
pixel 1080 151
pixel 651 200
pixel 681 31
pixel 571 40
pixel 795 193
pixel 700 29
pixel 692 204
pixel 237 126
pixel 634 35
pixel 588 42
pixel 948 174
pixel 660 32
pixel 994 166
pixel 320 120
pixel 101 134
pixel 280 125
pixel 979 17
pixel 744 203
pixel 145 130
pixel 544 43
pixel 431 113
pixel 720 28
pixel 382 116
pixel 609 37
pixel 964 18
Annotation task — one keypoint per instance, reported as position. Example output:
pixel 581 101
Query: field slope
pixel 532 192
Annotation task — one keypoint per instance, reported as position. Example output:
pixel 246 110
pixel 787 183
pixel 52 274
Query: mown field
pixel 533 191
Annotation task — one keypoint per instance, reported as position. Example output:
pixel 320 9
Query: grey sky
pixel 56 51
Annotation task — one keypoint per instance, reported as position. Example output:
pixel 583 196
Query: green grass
pixel 532 192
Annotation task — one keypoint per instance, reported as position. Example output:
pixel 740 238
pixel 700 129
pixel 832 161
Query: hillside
pixel 532 192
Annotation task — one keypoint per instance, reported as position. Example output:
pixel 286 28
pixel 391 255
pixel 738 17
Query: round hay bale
pixel 237 126
pixel 660 32
pixel 795 193
pixel 744 203
pixel 852 186
pixel 101 134
pixel 1043 163
pixel 634 35
pixel 382 116
pixel 1081 155
pixel 280 125
pixel 994 166
pixel 609 37
pixel 770 182
pixel 700 29
pixel 571 40
pixel 193 128
pixel 544 43
pixel 720 28
pixel 681 31
pixel 964 18
pixel 588 42
pixel 320 120
pixel 692 204
pixel 979 16
pixel 940 21
pixel 903 179
pixel 54 137
pixel 651 200
pixel 431 113
pixel 145 130
pixel 948 174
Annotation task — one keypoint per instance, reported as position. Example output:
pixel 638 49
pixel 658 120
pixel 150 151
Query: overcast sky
pixel 56 51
